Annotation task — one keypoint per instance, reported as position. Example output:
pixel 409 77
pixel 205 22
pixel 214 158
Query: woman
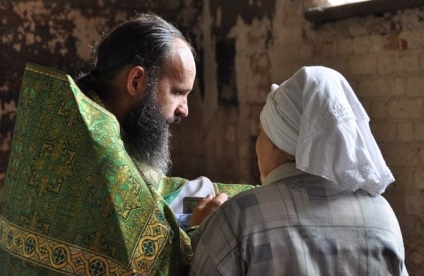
pixel 319 211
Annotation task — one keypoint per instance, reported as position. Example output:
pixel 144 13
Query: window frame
pixel 321 15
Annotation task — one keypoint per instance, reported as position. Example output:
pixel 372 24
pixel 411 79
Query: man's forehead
pixel 181 61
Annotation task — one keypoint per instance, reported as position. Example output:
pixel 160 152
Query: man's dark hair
pixel 145 40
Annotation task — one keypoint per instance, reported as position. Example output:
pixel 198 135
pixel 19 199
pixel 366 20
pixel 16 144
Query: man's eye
pixel 181 92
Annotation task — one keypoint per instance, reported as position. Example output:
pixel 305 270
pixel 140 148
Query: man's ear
pixel 136 81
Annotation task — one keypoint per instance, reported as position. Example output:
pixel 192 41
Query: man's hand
pixel 206 207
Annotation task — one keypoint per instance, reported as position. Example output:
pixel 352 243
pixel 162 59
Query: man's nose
pixel 182 110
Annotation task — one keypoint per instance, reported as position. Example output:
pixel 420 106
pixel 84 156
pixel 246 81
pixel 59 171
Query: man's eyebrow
pixel 183 89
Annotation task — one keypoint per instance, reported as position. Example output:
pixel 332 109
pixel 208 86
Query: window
pixel 331 10
pixel 343 2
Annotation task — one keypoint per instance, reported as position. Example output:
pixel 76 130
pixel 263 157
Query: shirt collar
pixel 282 172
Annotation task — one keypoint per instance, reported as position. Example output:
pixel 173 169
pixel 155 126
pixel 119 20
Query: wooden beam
pixel 320 15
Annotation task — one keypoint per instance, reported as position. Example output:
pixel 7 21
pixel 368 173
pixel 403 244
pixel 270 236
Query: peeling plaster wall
pixel 235 76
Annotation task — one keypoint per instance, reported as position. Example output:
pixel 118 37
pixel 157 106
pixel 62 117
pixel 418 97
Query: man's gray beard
pixel 146 133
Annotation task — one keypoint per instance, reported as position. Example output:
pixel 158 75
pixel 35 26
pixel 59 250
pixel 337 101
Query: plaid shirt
pixel 300 224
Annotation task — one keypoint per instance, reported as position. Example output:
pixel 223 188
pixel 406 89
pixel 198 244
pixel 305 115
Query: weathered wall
pixel 244 46
pixel 236 76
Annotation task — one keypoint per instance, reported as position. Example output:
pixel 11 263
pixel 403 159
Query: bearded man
pixel 86 190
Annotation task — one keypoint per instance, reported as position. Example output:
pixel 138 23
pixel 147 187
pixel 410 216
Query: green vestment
pixel 74 202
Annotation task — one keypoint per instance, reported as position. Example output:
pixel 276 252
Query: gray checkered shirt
pixel 300 224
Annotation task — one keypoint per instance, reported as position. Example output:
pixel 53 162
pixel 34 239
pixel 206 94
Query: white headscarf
pixel 316 116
